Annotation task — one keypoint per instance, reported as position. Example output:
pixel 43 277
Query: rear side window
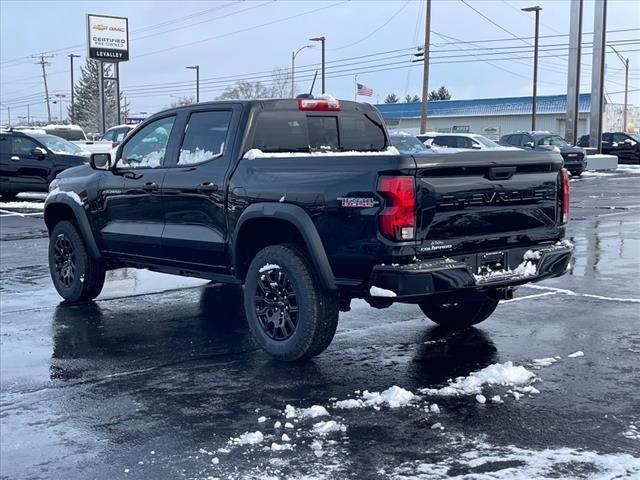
pixel 515 140
pixel 205 137
pixel 109 135
pixel 445 141
pixel 293 131
pixel 5 143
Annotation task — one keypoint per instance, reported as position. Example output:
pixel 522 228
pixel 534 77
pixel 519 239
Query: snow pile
pixel 277 447
pixel 481 398
pixel 484 461
pixel 392 397
pixel 257 153
pixel 302 413
pixel 543 362
pixel 325 428
pixel 496 374
pixel 23 205
pixel 268 266
pixel 247 438
pixel 381 292
pixel 197 156
pixel 633 433
pixel 579 353
pixel 528 268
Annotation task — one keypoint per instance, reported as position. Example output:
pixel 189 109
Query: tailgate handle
pixel 501 173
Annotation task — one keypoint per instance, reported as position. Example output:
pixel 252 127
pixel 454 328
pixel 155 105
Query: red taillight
pixel 398 219
pixel 318 105
pixel 564 209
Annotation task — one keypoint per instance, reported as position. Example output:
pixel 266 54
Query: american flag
pixel 364 90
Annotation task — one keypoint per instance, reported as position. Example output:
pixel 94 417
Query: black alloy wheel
pixel 276 304
pixel 64 260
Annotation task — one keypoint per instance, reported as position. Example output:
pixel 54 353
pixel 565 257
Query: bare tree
pixel 182 101
pixel 278 86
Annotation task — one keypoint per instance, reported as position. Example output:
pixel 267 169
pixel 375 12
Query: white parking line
pixel 527 297
pixel 8 213
pixel 588 295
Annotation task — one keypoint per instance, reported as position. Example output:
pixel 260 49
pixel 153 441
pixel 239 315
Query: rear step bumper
pixel 417 280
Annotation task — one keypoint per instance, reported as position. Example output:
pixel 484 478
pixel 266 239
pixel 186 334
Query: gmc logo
pixel 495 198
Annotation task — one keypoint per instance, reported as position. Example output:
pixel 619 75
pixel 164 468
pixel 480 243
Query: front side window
pixel 22 146
pixel 205 137
pixel 620 138
pixel 465 142
pixel 109 135
pixel 147 148
pixel 553 140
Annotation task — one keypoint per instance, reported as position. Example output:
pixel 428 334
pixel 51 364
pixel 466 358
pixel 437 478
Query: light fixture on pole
pixel 197 69
pixel 293 68
pixel 322 40
pixel 535 9
pixel 625 62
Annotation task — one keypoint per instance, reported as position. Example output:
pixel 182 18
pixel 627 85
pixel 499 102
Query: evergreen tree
pixel 412 99
pixel 87 99
pixel 441 94
pixel 392 98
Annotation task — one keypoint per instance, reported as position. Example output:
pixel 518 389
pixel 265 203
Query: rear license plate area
pixel 491 262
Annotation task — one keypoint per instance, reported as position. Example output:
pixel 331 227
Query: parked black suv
pixel 574 157
pixel 29 162
pixel 626 146
pixel 306 204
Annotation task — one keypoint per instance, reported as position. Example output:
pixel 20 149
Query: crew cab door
pixel 131 214
pixel 194 190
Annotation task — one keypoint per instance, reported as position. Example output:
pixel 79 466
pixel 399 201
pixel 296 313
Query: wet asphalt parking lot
pixel 159 379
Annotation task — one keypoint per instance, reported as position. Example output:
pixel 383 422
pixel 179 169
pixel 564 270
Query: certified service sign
pixel 108 38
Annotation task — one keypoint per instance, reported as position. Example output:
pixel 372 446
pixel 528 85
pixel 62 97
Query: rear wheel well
pixel 56 213
pixel 256 234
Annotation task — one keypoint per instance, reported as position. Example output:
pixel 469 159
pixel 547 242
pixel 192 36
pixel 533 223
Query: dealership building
pixel 494 117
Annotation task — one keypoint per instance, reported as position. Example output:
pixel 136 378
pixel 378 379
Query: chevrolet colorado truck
pixel 305 203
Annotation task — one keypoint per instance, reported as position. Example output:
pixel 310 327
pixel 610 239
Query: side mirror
pixel 476 146
pixel 39 153
pixel 530 145
pixel 100 161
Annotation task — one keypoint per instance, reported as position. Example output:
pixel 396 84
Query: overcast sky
pixel 239 38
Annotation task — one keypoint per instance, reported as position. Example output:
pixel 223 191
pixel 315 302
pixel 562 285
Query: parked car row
pixel 625 146
pixel 75 134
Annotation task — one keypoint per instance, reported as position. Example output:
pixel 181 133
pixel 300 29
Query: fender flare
pixel 303 223
pixel 80 216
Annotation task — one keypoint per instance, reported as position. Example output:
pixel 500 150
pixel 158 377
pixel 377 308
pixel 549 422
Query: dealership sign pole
pixel 108 42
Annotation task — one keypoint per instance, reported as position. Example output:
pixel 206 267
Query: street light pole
pixel 197 69
pixel 625 62
pixel 73 113
pixel 535 9
pixel 322 40
pixel 293 69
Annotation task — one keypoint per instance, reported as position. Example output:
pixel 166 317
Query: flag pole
pixel 355 96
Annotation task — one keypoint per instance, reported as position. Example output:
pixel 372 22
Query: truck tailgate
pixel 483 201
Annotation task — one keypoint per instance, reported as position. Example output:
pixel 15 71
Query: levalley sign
pixel 108 38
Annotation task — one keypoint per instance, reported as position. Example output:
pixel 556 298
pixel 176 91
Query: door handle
pixel 150 187
pixel 15 158
pixel 207 187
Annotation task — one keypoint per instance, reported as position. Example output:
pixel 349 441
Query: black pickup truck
pixel 305 203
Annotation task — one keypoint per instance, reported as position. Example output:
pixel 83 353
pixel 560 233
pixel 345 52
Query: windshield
pixel 407 143
pixel 553 140
pixel 486 142
pixel 58 145
pixel 635 136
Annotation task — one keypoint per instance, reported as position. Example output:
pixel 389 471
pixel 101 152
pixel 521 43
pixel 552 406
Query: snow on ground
pixel 302 413
pixel 543 362
pixel 579 353
pixel 392 397
pixel 330 426
pixel 479 460
pixel 22 205
pixel 247 438
pixel 497 374
pixel 381 292
pixel 633 433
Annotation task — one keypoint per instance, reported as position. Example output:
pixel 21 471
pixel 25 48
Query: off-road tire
pixel 316 309
pixel 459 313
pixel 84 277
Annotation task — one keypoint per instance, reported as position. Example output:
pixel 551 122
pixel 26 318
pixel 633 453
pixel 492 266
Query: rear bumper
pixel 413 282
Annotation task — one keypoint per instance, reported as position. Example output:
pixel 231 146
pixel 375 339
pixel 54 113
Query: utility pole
pixel 597 75
pixel 322 41
pixel 43 62
pixel 73 113
pixel 8 116
pixel 534 99
pixel 28 115
pixel 425 72
pixel 197 69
